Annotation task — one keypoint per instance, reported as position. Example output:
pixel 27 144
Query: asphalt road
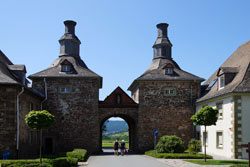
pixel 109 160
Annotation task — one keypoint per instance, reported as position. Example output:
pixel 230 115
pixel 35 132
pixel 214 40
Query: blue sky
pixel 117 36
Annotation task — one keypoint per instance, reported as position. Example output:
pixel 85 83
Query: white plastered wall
pixel 223 125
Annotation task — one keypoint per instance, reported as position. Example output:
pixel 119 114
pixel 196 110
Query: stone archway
pixel 131 130
pixel 119 104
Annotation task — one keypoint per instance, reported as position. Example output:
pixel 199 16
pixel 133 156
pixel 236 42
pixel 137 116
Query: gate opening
pixel 114 128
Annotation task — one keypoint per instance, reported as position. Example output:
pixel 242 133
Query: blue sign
pixel 155 132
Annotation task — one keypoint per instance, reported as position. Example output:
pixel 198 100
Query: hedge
pixel 64 162
pixel 61 159
pixel 80 154
pixel 24 163
pixel 153 153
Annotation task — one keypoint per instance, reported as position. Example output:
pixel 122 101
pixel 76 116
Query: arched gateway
pixel 119 104
pixel 165 96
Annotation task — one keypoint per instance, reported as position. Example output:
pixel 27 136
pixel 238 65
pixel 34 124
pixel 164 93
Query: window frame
pixel 67 69
pixel 67 89
pixel 221 84
pixel 218 145
pixel 220 111
pixel 169 71
pixel 167 92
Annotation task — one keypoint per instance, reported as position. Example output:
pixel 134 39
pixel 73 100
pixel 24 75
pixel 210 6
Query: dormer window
pixel 66 68
pixel 168 69
pixel 221 82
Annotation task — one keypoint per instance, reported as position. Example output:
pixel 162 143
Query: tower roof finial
pixel 162 46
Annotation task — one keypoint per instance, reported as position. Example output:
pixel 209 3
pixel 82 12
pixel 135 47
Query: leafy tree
pixel 39 120
pixel 194 146
pixel 170 144
pixel 206 116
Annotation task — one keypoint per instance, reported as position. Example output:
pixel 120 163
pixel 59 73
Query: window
pixel 157 52
pixel 220 109
pixel 221 81
pixel 205 139
pixel 170 92
pixel 168 71
pixel 64 89
pixel 31 107
pixel 219 139
pixel 66 68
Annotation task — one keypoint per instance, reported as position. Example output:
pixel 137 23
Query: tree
pixel 39 120
pixel 206 116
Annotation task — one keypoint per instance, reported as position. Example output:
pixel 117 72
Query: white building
pixel 228 89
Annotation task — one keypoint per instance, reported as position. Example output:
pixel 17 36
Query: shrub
pixel 194 146
pixel 170 144
pixel 152 153
pixel 79 154
pixel 23 163
pixel 64 162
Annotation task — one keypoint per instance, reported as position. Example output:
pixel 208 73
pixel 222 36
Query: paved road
pixel 109 160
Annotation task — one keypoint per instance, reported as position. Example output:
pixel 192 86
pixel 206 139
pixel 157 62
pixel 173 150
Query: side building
pixel 16 100
pixel 166 95
pixel 228 89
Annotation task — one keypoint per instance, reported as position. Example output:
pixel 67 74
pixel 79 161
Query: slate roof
pixel 9 75
pixel 156 71
pixel 6 75
pixel 54 71
pixel 237 63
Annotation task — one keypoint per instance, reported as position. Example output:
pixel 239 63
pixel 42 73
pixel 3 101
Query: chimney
pixel 162 46
pixel 69 43
pixel 69 27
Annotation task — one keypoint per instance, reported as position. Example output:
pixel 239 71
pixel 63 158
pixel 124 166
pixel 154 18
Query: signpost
pixel 155 132
pixel 248 150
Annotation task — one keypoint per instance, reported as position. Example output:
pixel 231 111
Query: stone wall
pixel 169 114
pixel 76 113
pixel 8 123
pixel 8 119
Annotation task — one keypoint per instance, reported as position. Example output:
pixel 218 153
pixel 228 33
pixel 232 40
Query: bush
pixel 79 154
pixel 194 146
pixel 153 153
pixel 23 163
pixel 64 162
pixel 170 144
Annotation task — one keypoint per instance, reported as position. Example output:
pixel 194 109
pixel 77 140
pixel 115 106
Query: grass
pixel 219 162
pixel 176 155
pixel 111 144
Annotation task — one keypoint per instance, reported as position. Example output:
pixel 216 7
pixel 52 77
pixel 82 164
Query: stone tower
pixel 166 95
pixel 72 94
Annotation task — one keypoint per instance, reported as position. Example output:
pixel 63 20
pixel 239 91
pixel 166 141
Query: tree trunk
pixel 41 145
pixel 205 155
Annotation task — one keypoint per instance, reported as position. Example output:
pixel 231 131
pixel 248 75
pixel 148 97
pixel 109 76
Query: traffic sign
pixel 155 132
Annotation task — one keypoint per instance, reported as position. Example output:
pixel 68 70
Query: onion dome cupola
pixel 162 46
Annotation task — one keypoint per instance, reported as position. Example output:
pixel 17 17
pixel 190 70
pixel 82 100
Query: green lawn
pixel 219 162
pixel 111 144
pixel 185 155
